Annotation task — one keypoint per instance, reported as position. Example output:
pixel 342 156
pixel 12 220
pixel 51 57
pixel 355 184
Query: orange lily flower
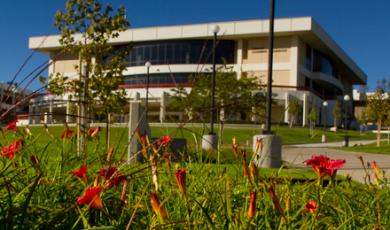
pixel 275 200
pixel 113 178
pixel 376 168
pixel 252 205
pixel 311 206
pixel 323 166
pixel 157 208
pixel 11 150
pixel 93 132
pixel 164 141
pixel 11 126
pixel 181 180
pixel 81 173
pixel 91 197
pixel 67 134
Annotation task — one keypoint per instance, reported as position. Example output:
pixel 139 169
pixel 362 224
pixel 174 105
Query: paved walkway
pixel 333 144
pixel 295 155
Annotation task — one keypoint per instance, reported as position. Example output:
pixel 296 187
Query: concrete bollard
pixel 269 153
pixel 210 142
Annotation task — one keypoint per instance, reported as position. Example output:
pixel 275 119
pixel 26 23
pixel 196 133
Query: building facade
pixel 308 65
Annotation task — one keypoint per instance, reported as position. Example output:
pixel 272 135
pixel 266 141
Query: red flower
pixel 67 134
pixel 323 166
pixel 252 205
pixel 107 173
pixel 11 126
pixel 81 172
pixel 11 150
pixel 181 180
pixel 91 197
pixel 93 132
pixel 311 206
pixel 164 141
pixel 112 177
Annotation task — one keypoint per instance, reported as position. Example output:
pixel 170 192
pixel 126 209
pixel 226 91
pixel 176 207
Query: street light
pixel 325 104
pixel 210 141
pixel 215 29
pixel 148 65
pixel 346 100
pixel 323 137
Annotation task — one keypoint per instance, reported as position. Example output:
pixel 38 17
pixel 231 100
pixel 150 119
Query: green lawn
pixel 244 136
pixel 371 148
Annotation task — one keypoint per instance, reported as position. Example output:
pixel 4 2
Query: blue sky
pixel 360 27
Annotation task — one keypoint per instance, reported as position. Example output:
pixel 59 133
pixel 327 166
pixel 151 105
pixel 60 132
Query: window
pixel 163 78
pixel 308 58
pixel 180 52
pixel 323 64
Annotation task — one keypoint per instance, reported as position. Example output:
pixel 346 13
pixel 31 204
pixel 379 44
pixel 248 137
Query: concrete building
pixel 308 64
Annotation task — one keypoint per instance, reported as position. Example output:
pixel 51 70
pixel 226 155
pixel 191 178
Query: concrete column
pixel 137 97
pixel 37 115
pixel 286 104
pixel 45 118
pixel 67 117
pixel 163 107
pixel 305 109
pixel 50 115
pixel 222 114
pixel 239 58
pixel 294 61
pixel 30 114
pixel 136 120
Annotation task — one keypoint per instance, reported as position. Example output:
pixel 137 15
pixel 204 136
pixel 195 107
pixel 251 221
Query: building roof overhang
pixel 304 27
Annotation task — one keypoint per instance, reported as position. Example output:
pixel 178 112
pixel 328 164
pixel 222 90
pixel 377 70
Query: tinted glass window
pixel 180 52
pixel 163 78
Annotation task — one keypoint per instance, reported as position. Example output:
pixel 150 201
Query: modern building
pixel 308 64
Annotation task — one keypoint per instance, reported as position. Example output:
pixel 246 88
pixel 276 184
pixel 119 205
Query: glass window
pixel 163 78
pixel 181 52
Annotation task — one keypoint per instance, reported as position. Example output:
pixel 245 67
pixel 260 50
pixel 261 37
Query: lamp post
pixel 346 100
pixel 325 105
pixel 270 155
pixel 215 30
pixel 267 129
pixel 210 141
pixel 148 65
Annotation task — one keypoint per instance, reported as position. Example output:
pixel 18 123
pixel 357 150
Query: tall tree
pixel 294 107
pixel 312 117
pixel 337 115
pixel 378 106
pixel 234 96
pixel 86 27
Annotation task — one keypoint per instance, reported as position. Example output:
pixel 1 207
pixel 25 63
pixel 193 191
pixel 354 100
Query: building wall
pixel 64 63
pixel 255 50
pixel 280 77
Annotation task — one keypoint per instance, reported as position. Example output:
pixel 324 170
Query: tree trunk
pixel 378 133
pixel 108 126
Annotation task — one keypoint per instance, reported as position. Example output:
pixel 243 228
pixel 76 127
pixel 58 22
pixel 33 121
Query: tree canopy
pixel 86 27
pixel 236 97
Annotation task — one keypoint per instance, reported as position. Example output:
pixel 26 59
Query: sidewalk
pixel 295 155
pixel 332 144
